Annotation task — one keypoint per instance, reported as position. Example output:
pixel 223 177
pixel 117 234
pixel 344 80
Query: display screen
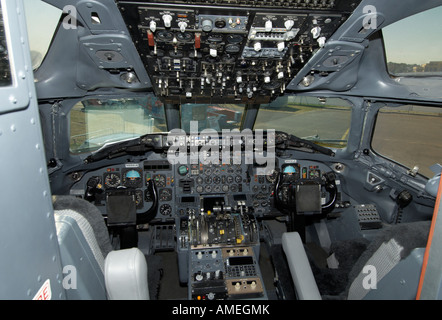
pixel 238 261
pixel 187 199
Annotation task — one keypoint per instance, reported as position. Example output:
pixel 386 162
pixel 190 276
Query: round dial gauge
pixel 165 36
pixel 160 180
pixel 186 36
pixel 232 48
pixel 271 176
pixel 165 194
pixel 112 180
pixel 165 209
pixel 183 170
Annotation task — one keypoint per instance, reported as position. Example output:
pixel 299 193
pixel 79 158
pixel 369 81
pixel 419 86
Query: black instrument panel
pixel 229 50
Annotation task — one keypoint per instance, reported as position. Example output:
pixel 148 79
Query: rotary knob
pixel 207 25
pixel 182 25
pixel 289 24
pixel 167 19
pixel 199 277
pixel 210 296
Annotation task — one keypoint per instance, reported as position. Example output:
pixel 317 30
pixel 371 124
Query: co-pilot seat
pixel 393 260
pixel 91 269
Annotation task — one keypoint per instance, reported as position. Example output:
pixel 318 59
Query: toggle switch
pixel 268 26
pixel 197 41
pixel 253 285
pixel 152 26
pixel 316 31
pixel 150 39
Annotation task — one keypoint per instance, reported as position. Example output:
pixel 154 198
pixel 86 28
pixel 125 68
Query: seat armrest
pixel 302 275
pixel 125 274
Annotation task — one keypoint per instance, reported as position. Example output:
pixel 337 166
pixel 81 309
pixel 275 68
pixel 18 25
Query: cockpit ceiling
pixel 245 51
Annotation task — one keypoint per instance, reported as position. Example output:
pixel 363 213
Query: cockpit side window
pixel 409 135
pixel 42 21
pixel 413 46
pixel 5 68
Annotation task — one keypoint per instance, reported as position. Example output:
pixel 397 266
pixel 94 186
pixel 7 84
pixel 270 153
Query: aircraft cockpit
pixel 223 149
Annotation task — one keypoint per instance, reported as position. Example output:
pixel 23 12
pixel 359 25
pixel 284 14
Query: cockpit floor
pixel 170 287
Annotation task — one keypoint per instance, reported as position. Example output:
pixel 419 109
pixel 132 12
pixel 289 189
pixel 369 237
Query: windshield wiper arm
pixel 135 146
pixel 289 141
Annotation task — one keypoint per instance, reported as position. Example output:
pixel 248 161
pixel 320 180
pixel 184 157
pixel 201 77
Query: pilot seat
pixel 91 268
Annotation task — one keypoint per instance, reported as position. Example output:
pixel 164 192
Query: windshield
pixel 95 122
pixel 324 121
pixel 197 117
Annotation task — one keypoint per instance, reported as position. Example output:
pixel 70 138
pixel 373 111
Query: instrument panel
pixel 189 189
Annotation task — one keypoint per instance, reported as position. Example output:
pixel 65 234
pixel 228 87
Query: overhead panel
pixel 240 51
